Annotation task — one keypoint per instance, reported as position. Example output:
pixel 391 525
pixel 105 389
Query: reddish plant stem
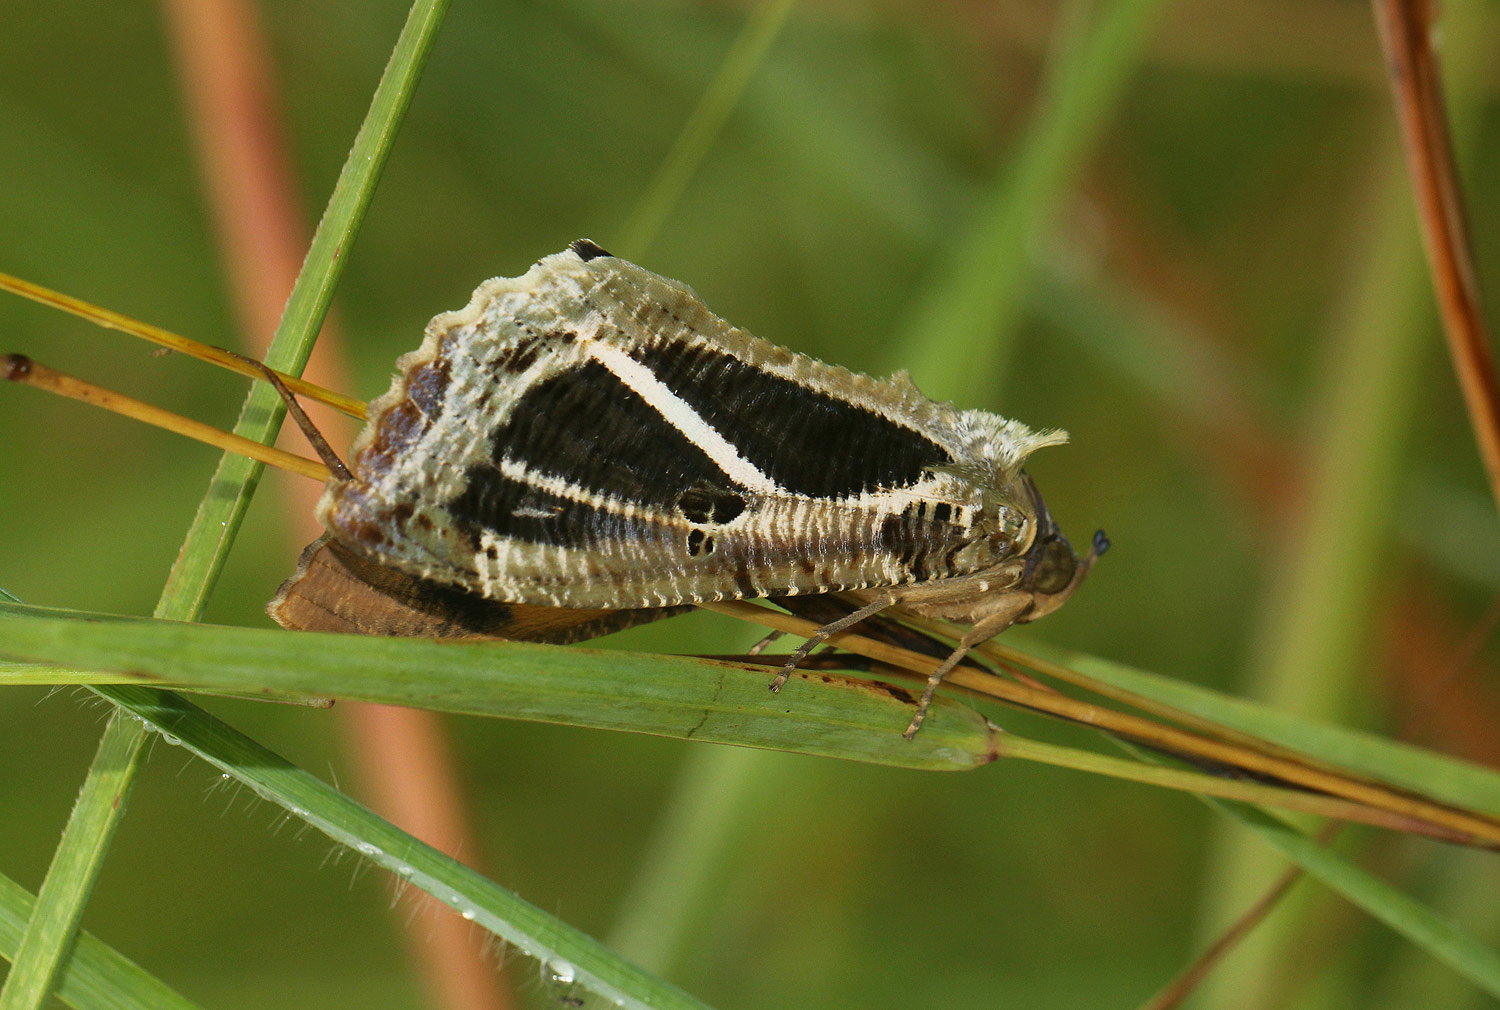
pixel 1411 62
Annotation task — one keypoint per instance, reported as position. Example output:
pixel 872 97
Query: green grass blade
pixel 1438 776
pixel 703 126
pixel 1418 923
pixel 674 696
pixel 560 948
pixel 75 867
pixel 101 802
pixel 1402 913
pixel 223 508
pixel 97 977
pixel 959 329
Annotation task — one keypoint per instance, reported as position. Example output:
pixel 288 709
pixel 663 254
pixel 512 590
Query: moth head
pixel 1051 570
pixel 1022 568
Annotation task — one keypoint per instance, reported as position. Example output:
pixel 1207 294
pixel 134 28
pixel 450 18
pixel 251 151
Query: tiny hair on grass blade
pixel 587 447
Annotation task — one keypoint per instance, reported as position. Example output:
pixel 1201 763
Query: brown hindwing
pixel 334 589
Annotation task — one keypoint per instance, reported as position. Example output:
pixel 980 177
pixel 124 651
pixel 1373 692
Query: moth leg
pixel 826 632
pixel 981 632
pixel 764 643
pixel 314 436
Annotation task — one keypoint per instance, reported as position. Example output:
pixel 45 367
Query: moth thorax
pixel 1009 527
pixel 993 544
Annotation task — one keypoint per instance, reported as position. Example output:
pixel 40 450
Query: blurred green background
pixel 1226 307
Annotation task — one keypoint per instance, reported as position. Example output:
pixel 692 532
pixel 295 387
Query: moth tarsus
pixel 823 634
pixel 765 643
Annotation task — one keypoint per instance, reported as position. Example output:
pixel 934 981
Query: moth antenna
pixel 309 430
pixel 19 368
pixel 166 338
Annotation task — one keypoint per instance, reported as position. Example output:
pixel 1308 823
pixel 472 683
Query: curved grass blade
pixel 96 977
pixel 1401 912
pixel 1449 779
pixel 561 948
pixel 676 696
pixel 53 925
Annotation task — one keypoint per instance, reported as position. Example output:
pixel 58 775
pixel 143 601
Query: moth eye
pixel 1056 569
pixel 698 543
pixel 709 505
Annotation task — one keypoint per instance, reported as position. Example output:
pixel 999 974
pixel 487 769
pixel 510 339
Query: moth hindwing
pixel 590 436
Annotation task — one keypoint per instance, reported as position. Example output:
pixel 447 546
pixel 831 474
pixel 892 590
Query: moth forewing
pixel 590 436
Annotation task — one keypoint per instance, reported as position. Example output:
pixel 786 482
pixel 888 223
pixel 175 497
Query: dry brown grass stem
pixel 1406 28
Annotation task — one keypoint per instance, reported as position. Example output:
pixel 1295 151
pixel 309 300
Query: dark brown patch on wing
pixel 427 386
pixel 397 431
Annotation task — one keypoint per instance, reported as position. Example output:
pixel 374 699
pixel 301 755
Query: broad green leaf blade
pixel 1438 776
pixel 674 696
pixel 560 948
pixel 97 977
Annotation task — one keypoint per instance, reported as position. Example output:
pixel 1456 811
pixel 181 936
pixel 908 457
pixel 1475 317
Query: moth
pixel 587 446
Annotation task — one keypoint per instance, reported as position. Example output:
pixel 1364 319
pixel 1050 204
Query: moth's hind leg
pixel 826 632
pixel 764 643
